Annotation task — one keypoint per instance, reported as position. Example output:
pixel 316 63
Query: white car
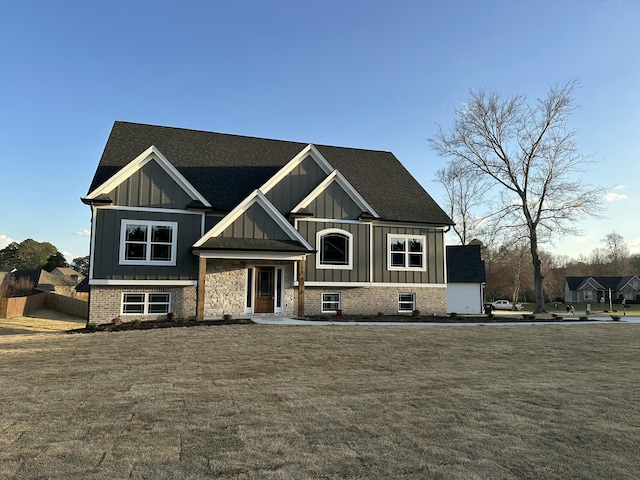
pixel 505 305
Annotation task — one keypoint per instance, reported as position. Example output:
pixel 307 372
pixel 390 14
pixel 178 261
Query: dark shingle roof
pixel 613 283
pixel 465 264
pixel 226 168
pixel 252 244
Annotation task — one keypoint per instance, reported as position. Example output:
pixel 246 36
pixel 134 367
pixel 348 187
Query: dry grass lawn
pixel 276 402
pixel 42 321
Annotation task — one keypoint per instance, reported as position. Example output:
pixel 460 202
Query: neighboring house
pixel 43 280
pixel 465 279
pixel 593 289
pixel 67 272
pixel 205 224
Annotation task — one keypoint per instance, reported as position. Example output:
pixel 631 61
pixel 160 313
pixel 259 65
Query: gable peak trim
pixel 254 197
pixel 308 151
pixel 336 177
pixel 151 153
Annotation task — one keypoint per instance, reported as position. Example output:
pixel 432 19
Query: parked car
pixel 505 305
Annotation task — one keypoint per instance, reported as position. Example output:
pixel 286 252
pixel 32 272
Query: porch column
pixel 202 271
pixel 301 264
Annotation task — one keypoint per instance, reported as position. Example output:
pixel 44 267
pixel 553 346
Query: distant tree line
pixel 32 255
pixel 510 276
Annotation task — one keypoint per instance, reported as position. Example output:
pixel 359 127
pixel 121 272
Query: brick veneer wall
pixel 226 287
pixel 375 299
pixel 105 302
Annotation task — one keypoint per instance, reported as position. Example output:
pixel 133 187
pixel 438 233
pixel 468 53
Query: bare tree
pixel 617 251
pixel 531 156
pixel 465 193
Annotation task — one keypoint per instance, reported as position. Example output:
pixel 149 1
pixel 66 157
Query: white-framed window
pixel 330 302
pixel 144 242
pixel 406 302
pixel 588 295
pixel 335 249
pixel 146 303
pixel 406 252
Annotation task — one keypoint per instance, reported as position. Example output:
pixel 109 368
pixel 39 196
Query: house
pixel 465 279
pixel 594 289
pixel 204 224
pixel 67 272
pixel 43 280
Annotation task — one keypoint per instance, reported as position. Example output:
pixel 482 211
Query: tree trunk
pixel 537 276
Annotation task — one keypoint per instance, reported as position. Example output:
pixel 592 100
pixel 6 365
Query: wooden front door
pixel 265 290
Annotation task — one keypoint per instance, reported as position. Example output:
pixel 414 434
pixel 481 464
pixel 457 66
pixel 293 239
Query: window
pixel 335 249
pixel 406 252
pixel 145 303
pixel 143 242
pixel 330 302
pixel 406 302
pixel 588 295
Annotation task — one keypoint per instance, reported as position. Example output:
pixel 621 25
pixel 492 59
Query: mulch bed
pixel 154 324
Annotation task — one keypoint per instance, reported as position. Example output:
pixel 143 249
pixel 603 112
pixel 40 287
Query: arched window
pixel 335 249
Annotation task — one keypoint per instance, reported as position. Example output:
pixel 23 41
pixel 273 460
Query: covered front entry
pixel 265 290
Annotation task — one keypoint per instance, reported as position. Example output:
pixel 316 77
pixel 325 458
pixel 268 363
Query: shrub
pixel 615 318
pixel 226 316
pixel 584 317
pixel 453 314
pixel 92 325
pixel 135 322
pixel 16 287
pixel 116 321
pixel 172 317
pixel 415 313
pixel 339 313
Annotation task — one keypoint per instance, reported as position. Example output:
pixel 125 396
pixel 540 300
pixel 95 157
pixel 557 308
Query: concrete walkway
pixel 278 320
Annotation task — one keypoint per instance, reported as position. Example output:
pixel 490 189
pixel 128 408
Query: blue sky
pixel 366 74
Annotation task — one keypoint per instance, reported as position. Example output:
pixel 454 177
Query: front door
pixel 265 291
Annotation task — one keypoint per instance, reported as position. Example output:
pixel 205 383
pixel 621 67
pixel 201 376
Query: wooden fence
pixel 19 306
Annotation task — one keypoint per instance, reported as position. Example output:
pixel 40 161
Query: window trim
pixel 323 302
pixel 145 303
pixel 413 302
pixel 406 253
pixel 331 266
pixel 147 261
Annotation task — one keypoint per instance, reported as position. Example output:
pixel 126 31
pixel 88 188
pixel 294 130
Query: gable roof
pixel 225 168
pixel 614 283
pixel 465 264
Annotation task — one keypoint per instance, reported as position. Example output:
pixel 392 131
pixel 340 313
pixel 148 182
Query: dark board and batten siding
pixel 150 186
pixel 434 246
pixel 106 253
pixel 296 185
pixel 360 270
pixel 334 202
pixel 255 223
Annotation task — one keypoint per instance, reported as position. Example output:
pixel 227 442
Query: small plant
pixel 325 316
pixel 339 313
pixel 415 313
pixel 172 317
pixel 528 316
pixel 226 317
pixel 92 326
pixel 615 318
pixel 136 322
pixel 380 314
pixel 116 321
pixel 453 314
pixel 584 317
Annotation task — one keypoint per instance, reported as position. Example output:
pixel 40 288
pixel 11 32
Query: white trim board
pixel 148 283
pixel 336 177
pixel 151 153
pixel 254 197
